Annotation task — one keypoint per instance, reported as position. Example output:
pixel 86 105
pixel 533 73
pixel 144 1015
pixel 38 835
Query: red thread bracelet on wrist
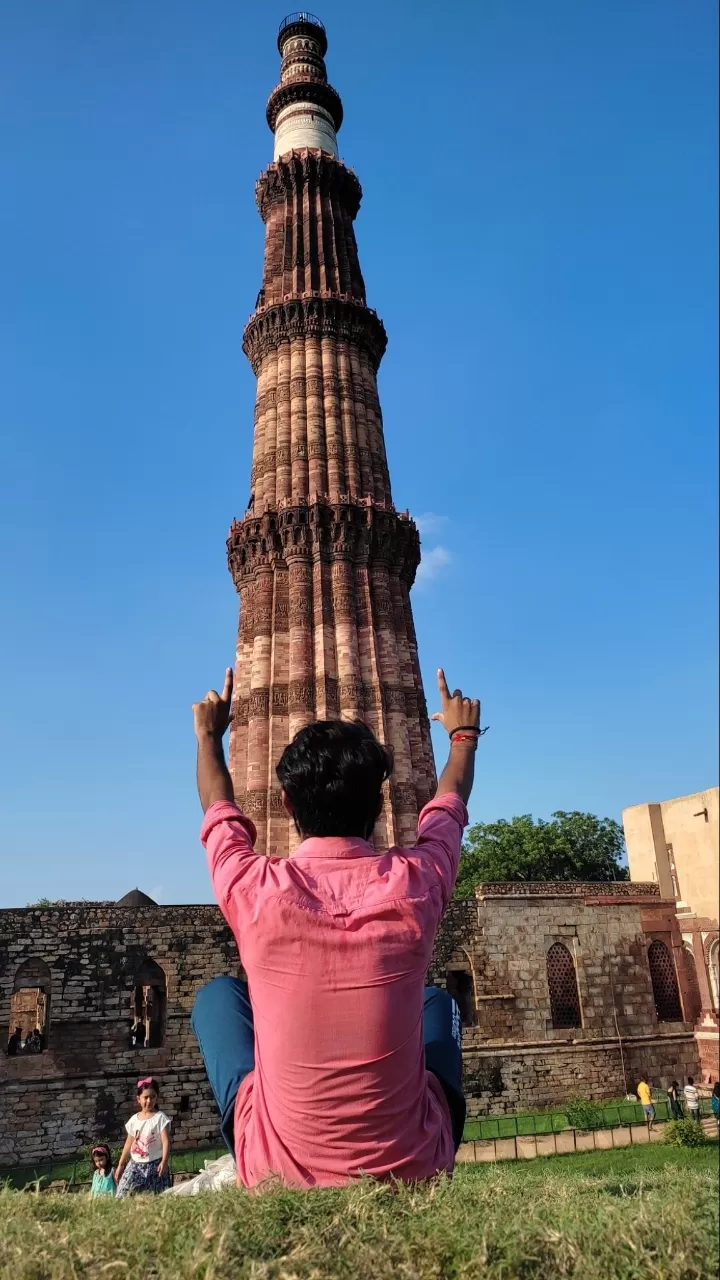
pixel 464 737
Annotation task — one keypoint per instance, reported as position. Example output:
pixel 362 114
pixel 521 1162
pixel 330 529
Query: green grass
pixel 648 1213
pixel 523 1123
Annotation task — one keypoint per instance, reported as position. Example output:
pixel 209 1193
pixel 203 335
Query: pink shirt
pixel 336 941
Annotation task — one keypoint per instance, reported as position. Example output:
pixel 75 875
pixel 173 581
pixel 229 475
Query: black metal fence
pixel 76 1171
pixel 602 1116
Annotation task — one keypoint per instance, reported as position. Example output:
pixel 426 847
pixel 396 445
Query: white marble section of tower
pixel 304 126
pixel 304 110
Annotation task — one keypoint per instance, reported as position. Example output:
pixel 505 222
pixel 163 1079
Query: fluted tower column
pixel 322 561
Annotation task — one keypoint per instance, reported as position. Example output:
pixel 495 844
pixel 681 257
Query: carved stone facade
pixel 82 1086
pixel 516 1056
pixel 322 561
pixel 88 968
pixel 677 842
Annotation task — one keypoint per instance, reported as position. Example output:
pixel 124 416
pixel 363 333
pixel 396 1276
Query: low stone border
pixel 488 1150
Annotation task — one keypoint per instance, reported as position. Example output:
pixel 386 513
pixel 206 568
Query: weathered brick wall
pixel 521 1078
pixel 502 941
pixel 513 1056
pixel 82 1087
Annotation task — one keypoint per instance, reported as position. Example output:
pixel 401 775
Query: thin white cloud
pixel 430 522
pixel 432 563
pixel 157 893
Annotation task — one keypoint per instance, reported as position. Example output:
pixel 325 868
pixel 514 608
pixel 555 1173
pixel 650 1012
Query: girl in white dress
pixel 143 1165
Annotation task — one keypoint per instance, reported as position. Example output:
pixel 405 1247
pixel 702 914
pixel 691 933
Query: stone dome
pixel 135 898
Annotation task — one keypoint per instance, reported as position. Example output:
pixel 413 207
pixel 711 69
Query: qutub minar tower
pixel 322 561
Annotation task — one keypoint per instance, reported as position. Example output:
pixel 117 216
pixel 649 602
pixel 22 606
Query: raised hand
pixel 212 715
pixel 457 712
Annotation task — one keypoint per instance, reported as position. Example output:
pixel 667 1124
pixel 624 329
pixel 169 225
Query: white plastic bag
pixel 216 1175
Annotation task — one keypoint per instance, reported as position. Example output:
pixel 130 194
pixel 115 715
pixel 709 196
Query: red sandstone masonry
pixel 82 1087
pixel 321 531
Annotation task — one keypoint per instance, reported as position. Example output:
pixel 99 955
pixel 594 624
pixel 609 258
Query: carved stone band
pixel 314 317
pixel 291 173
pixel 342 698
pixel 358 532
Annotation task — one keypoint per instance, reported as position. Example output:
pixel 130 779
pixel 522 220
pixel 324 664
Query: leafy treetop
pixel 571 846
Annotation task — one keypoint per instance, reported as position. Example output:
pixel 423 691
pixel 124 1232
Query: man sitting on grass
pixel 337 1061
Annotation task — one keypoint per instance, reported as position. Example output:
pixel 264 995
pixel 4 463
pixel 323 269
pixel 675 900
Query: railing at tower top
pixel 302 16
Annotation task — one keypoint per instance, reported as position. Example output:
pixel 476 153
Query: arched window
pixel 714 973
pixel 694 1003
pixel 459 984
pixel 30 1008
pixel 562 985
pixel 664 983
pixel 148 1006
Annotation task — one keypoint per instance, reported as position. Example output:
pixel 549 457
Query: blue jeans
pixel 222 1019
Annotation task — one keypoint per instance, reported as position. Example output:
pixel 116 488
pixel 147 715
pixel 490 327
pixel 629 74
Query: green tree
pixel 571 846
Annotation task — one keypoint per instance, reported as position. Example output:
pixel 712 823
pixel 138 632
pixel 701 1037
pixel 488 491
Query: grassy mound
pixel 647 1212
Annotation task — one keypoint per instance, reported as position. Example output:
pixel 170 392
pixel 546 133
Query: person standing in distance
pixel 692 1099
pixel 644 1093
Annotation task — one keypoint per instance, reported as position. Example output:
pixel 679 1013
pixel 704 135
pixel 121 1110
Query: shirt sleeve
pixel 440 830
pixel 131 1126
pixel 163 1121
pixel 229 838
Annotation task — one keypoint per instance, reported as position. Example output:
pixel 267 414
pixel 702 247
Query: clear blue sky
pixel 538 234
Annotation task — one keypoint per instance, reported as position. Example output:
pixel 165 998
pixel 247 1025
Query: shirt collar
pixel 332 847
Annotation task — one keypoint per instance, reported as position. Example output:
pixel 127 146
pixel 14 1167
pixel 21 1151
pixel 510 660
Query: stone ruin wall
pixel 513 1057
pixel 82 1087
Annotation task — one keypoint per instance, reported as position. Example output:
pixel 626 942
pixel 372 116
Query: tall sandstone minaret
pixel 322 561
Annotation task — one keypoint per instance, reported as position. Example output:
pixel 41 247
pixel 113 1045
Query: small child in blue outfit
pixel 103 1183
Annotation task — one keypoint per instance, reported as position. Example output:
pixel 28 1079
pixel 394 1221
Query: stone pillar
pixel 706 1000
pixel 298 420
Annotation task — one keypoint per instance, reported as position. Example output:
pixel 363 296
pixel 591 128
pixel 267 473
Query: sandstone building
pixel 322 561
pixel 676 845
pixel 564 989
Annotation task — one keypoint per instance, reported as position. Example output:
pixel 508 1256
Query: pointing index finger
pixel 442 685
pixel 228 686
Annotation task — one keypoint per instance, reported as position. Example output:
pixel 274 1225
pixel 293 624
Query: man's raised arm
pixel 461 718
pixel 227 833
pixel 441 823
pixel 212 717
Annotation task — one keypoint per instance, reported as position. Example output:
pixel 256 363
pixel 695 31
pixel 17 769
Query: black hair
pixel 690 1080
pixel 332 773
pixel 105 1151
pixel 716 1089
pixel 147 1083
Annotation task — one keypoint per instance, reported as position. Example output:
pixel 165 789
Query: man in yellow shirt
pixel 644 1093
